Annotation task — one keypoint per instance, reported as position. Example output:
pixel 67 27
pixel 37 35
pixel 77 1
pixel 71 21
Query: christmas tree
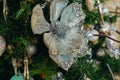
pixel 26 48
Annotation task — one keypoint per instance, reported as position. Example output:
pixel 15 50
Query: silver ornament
pixel 2 45
pixel 31 50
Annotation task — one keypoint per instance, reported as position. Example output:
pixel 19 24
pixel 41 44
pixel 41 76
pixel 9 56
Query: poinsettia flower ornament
pixel 64 36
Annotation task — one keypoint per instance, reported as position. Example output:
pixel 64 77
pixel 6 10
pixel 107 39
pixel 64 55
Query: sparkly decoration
pixel 2 45
pixel 90 4
pixel 65 38
pixel 31 50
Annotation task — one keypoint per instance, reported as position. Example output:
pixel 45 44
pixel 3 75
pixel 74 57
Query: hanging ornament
pixel 14 63
pixel 2 45
pixel 17 63
pixel 26 69
pixel 19 77
pixel 90 4
pixel 5 10
pixel 31 50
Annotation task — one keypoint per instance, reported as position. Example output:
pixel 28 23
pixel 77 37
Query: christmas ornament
pixel 5 10
pixel 17 64
pixel 14 63
pixel 19 77
pixel 2 45
pixel 90 4
pixel 31 50
pixel 65 38
pixel 26 69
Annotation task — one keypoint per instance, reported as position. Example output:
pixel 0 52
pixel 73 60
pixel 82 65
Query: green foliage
pixel 93 69
pixel 43 65
pixel 25 10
